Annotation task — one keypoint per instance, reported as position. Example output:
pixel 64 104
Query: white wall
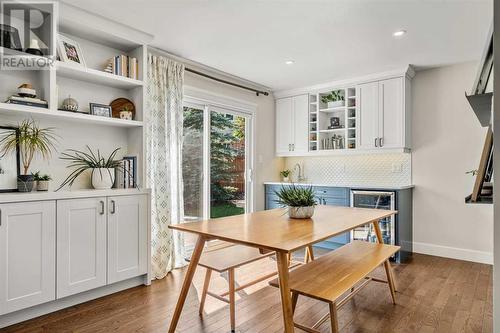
pixel 447 142
pixel 267 166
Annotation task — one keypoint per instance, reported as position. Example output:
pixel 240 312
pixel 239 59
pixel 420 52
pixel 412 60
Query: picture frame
pixel 69 51
pixel 10 165
pixel 100 110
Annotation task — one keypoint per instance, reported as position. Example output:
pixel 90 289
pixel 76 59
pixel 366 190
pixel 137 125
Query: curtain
pixel 164 123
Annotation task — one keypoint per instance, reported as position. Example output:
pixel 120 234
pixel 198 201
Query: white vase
pixel 42 185
pixel 301 212
pixel 103 178
pixel 286 180
pixel 335 104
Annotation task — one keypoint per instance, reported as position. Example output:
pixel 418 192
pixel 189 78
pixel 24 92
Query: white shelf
pixel 332 130
pixel 351 107
pixel 351 118
pixel 313 103
pixel 351 128
pixel 94 76
pixel 351 139
pixel 16 109
pixel 336 109
pixel 352 97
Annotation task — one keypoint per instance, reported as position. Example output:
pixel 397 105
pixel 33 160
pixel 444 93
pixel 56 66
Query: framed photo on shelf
pixel 10 164
pixel 69 51
pixel 100 110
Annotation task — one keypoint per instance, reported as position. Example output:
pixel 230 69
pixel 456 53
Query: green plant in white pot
pixel 102 168
pixel 334 99
pixel 285 174
pixel 42 181
pixel 299 200
pixel 32 141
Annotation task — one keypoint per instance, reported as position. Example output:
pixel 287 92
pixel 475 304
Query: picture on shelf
pixel 100 110
pixel 10 163
pixel 69 51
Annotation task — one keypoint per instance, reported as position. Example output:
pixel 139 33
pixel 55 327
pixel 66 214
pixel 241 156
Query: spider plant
pixel 296 196
pixel 82 161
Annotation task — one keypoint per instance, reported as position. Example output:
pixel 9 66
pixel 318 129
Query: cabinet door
pixel 27 254
pixel 127 237
pixel 284 125
pixel 81 245
pixel 300 140
pixel 391 120
pixel 368 106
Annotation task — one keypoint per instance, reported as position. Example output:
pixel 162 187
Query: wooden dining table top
pixel 274 230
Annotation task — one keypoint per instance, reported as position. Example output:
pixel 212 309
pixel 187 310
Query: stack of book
pixel 29 101
pixel 123 65
pixel 126 174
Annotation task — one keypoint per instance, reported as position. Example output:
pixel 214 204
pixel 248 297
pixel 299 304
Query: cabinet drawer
pixel 333 192
pixel 329 201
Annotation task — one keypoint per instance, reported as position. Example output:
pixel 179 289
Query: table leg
pixel 286 301
pixel 387 265
pixel 195 258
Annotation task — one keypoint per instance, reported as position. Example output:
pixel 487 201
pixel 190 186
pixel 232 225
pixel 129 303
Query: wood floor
pixel 434 295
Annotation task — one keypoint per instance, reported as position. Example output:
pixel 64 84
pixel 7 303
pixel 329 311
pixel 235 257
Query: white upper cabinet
pixel 27 254
pixel 368 114
pixel 292 125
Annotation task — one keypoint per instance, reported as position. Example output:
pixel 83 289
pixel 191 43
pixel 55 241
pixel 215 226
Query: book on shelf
pixel 126 173
pixel 28 101
pixel 124 66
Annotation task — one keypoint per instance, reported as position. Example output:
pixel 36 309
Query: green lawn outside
pixel 225 209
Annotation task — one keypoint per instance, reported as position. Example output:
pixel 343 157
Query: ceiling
pixel 328 40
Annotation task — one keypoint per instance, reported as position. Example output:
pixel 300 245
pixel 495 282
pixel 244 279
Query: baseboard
pixel 454 253
pixel 42 309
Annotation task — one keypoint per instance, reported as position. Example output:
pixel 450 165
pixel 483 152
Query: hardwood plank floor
pixel 434 295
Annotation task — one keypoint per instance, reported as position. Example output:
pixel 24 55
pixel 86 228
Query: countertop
pixel 364 187
pixel 59 195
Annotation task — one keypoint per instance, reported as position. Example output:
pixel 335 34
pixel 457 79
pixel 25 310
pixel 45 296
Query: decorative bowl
pixel 301 212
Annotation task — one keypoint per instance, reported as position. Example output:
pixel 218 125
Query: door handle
pixel 293 146
pixel 376 142
pixel 380 142
pixel 0 217
pixel 113 207
pixel 102 207
pixel 289 147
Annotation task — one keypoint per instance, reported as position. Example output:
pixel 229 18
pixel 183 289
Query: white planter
pixel 286 179
pixel 42 185
pixel 301 212
pixel 335 104
pixel 102 178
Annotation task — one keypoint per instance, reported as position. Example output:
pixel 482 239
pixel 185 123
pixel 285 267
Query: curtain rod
pixel 257 92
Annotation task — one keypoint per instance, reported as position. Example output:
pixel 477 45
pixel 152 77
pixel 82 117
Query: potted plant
pixel 102 168
pixel 299 200
pixel 31 140
pixel 334 99
pixel 42 181
pixel 285 174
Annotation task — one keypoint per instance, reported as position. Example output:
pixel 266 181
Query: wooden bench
pixel 339 272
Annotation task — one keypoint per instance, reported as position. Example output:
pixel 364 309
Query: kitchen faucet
pixel 300 176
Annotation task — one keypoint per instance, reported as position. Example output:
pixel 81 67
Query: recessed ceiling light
pixel 289 62
pixel 399 33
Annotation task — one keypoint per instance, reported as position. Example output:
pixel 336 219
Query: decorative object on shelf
pixel 10 165
pixel 123 65
pixel 335 142
pixel 70 104
pixel 26 95
pixel 100 110
pixel 26 90
pixel 42 181
pixel 9 37
pixel 30 140
pixel 126 114
pixel 334 99
pixel 34 48
pixel 122 104
pixel 69 51
pixel 334 123
pixel 102 168
pixel 126 174
pixel 285 174
pixel 300 200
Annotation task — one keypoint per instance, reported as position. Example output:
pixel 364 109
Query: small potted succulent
pixel 32 141
pixel 285 174
pixel 299 200
pixel 42 181
pixel 334 99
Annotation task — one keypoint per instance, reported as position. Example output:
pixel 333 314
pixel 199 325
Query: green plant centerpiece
pixel 32 141
pixel 285 174
pixel 102 168
pixel 299 200
pixel 334 99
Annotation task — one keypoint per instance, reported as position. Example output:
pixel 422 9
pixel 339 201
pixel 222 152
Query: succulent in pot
pixel 285 174
pixel 334 99
pixel 299 200
pixel 102 168
pixel 42 181
pixel 32 141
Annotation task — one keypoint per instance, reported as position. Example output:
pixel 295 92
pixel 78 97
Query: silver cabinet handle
pixel 289 147
pixel 0 217
pixel 376 142
pixel 380 142
pixel 113 207
pixel 102 207
pixel 293 146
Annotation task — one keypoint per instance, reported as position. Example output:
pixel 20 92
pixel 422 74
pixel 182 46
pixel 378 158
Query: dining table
pixel 273 230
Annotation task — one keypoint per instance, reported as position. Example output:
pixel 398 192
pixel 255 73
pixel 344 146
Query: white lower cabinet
pixel 27 254
pixel 127 237
pixel 81 245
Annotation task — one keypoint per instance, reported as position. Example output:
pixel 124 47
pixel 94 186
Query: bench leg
pixel 309 254
pixel 295 298
pixel 333 317
pixel 286 302
pixel 387 265
pixel 206 283
pixel 232 307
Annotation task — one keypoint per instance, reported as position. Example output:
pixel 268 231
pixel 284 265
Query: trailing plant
pixel 38 177
pixel 87 160
pixel 296 196
pixel 472 172
pixel 335 95
pixel 285 173
pixel 31 140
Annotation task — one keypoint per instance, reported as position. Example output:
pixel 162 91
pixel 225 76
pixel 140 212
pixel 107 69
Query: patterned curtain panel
pixel 163 153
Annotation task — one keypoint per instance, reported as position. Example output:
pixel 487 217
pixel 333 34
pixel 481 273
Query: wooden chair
pixel 223 257
pixel 339 272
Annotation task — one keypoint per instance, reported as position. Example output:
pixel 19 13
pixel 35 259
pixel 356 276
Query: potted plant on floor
pixel 32 141
pixel 285 174
pixel 334 99
pixel 102 169
pixel 299 200
pixel 42 181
